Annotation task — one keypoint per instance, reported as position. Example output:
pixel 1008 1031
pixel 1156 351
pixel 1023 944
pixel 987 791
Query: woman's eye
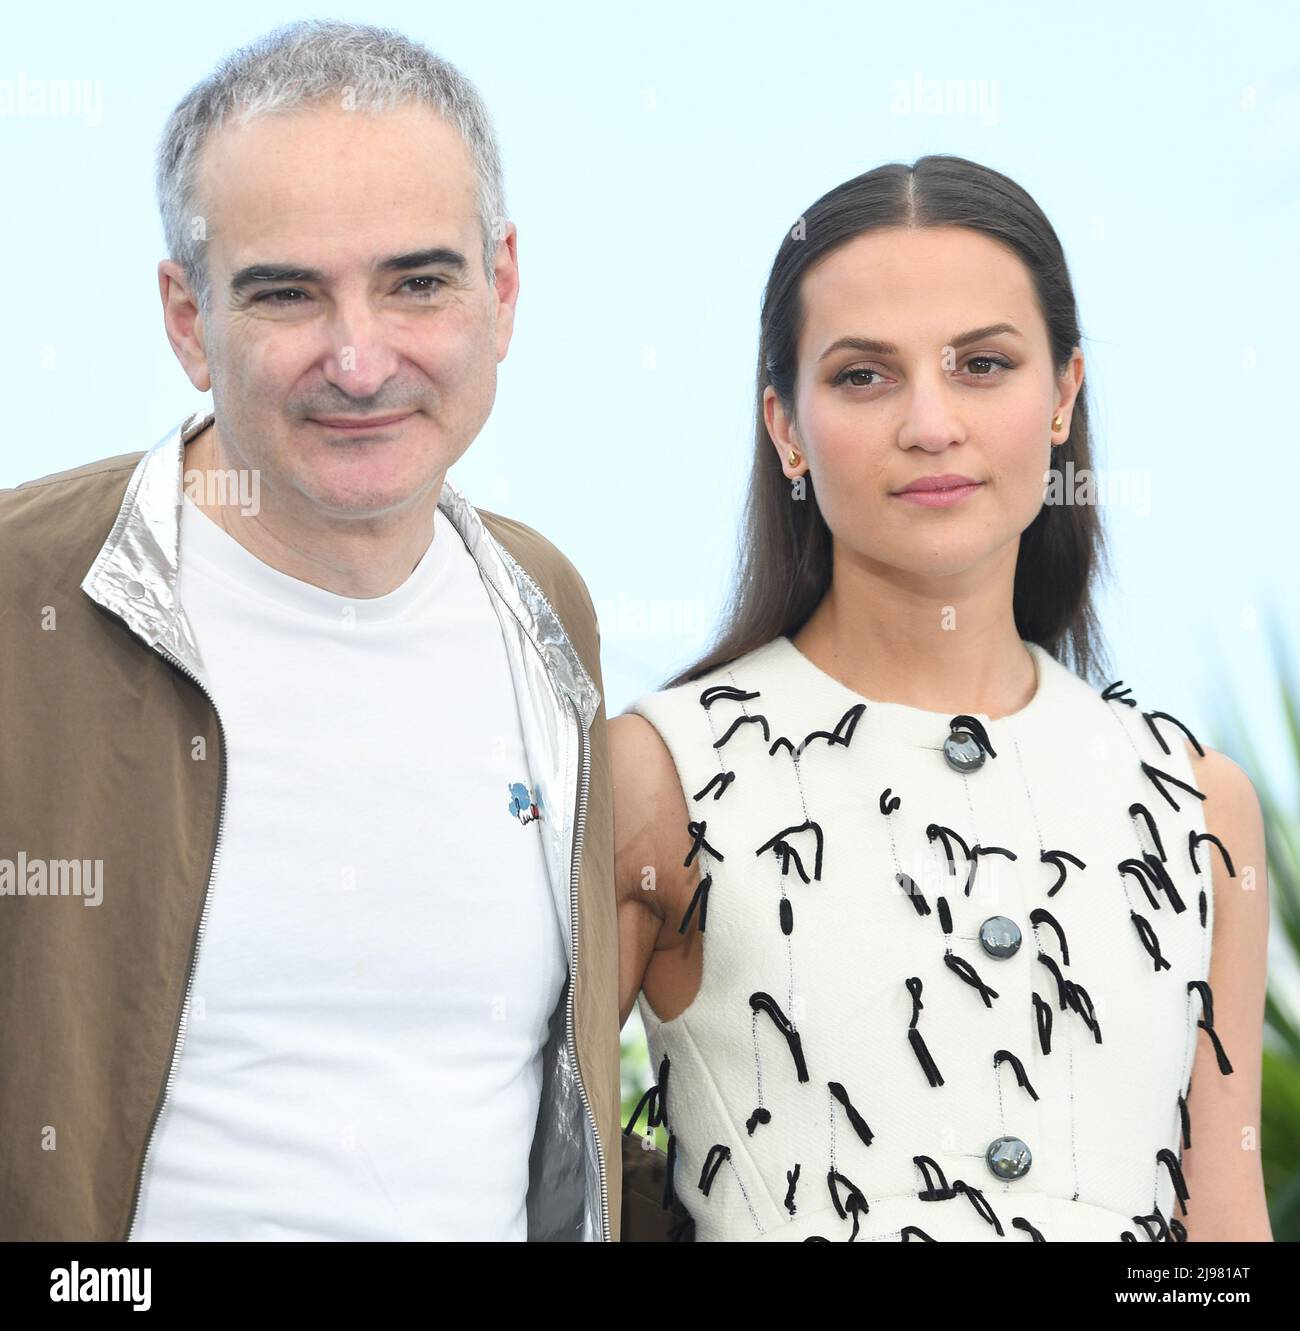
pixel 988 360
pixel 863 377
pixel 845 375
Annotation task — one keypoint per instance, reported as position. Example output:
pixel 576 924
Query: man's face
pixel 331 197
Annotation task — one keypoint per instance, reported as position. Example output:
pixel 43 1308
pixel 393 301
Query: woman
pixel 934 940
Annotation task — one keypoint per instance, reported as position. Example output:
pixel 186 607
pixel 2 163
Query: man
pixel 330 738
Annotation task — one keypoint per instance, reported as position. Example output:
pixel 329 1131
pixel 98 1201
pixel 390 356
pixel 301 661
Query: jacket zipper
pixel 579 829
pixel 178 1039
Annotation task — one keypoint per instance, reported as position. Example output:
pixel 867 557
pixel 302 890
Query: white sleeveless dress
pixel 955 970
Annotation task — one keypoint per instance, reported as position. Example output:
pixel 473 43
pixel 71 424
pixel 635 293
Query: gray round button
pixel 1008 1157
pixel 963 752
pixel 1000 937
pixel 135 589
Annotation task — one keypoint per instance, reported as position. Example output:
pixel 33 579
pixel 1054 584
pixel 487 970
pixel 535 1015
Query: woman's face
pixel 891 389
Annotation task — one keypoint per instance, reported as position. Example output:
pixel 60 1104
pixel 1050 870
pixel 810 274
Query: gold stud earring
pixel 1056 421
pixel 794 458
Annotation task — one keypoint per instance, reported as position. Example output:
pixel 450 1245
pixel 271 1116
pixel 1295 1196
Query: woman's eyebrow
pixel 877 348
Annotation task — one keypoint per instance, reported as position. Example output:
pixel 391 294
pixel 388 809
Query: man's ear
pixel 506 268
pixel 184 324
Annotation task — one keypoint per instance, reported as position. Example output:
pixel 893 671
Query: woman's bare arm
pixel 650 843
pixel 1222 1167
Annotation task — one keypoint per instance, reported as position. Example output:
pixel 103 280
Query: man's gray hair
pixel 294 67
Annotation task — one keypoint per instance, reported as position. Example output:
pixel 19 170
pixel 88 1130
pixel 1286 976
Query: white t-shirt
pixel 382 950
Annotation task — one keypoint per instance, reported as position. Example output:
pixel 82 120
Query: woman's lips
pixel 938 498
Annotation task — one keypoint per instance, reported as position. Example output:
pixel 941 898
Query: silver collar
pixel 136 571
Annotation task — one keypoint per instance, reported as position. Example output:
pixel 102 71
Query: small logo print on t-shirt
pixel 524 804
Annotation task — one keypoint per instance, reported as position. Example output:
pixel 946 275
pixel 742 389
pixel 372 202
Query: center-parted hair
pixel 784 555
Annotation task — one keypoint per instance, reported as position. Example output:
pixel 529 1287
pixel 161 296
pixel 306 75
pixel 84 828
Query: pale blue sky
pixel 654 156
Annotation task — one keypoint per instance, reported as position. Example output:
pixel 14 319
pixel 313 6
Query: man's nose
pixel 361 358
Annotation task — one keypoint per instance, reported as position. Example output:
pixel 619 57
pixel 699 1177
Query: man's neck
pixel 356 558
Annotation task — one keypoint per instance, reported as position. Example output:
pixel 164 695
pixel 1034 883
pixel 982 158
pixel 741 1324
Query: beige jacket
pixel 102 697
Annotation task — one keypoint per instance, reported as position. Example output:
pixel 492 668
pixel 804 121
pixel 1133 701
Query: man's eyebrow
pixel 875 348
pixel 255 274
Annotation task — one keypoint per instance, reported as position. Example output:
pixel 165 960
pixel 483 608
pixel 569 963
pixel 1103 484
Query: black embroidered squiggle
pixel 762 1002
pixel 974 728
pixel 760 1115
pixel 1162 1232
pixel 1149 940
pixel 1194 839
pixel 712 1163
pixel 722 781
pixel 859 1123
pixel 944 833
pixel 914 1036
pixel 787 852
pixel 1082 1004
pixel 908 1230
pixel 1043 1014
pixel 1170 1161
pixel 697 831
pixel 757 719
pixel 1134 810
pixel 1162 879
pixel 1206 1023
pixel 1115 693
pixel 1062 994
pixel 669 1195
pixel 710 696
pixel 792 1178
pixel 654 1102
pixel 661 1099
pixel 1157 779
pixel 1017 1067
pixel 842 733
pixel 1186 1120
pixel 930 1193
pixel 1151 717
pixel 1138 869
pixel 968 973
pixel 1041 916
pixel 1055 857
pixel 1019 1222
pixel 1178 1230
pixel 648 1101
pixel 854 1204
pixel 701 898
pixel 889 802
pixel 975 853
pixel 977 1200
pixel 945 915
pixel 913 893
